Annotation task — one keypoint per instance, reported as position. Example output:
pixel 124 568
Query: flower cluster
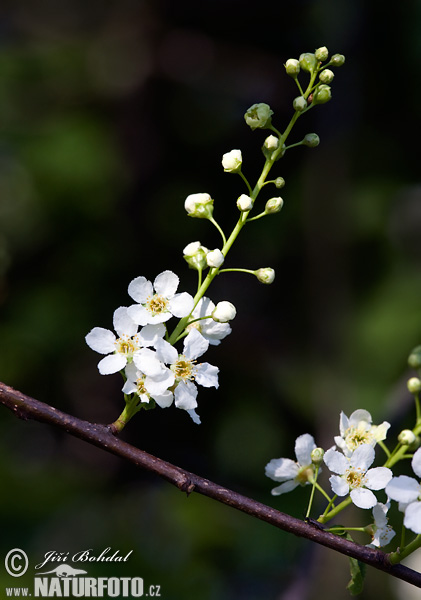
pixel 152 367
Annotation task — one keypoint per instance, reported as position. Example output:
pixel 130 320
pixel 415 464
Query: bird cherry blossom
pixel 357 430
pixel 354 476
pixel 120 350
pixel 407 491
pixel 212 331
pixel 140 384
pixel 382 532
pixel 293 473
pixel 158 307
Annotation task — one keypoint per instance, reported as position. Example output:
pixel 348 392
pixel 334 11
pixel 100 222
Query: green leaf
pixel 356 584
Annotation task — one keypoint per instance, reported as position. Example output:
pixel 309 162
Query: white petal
pixel 416 462
pixel 147 361
pixel 101 340
pixel 359 416
pixel 403 489
pixel 363 498
pixel 413 517
pixel 158 385
pixel 181 305
pixel 336 461
pixel 166 284
pixel 203 308
pixel 132 372
pixel 139 314
pixel 340 442
pixel 362 457
pixel 193 414
pixel 339 485
pixel 378 478
pixel 139 289
pixel 129 387
pixel 185 395
pixel 379 514
pixel 288 486
pixel 304 444
pixel 164 400
pixel 123 323
pixel 214 332
pixel 150 334
pixel 112 364
pixel 207 375
pixel 343 423
pixel 166 352
pixel 281 469
pixel 195 344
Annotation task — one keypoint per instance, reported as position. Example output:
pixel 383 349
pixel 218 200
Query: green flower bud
pixel 308 62
pixel 195 256
pixel 326 76
pixel 273 206
pixel 322 94
pixel 321 54
pixel 265 275
pixel 317 456
pixel 414 359
pixel 292 67
pixel 279 182
pixel 299 103
pixel 311 140
pixel 414 385
pixel 407 437
pixel 199 206
pixel 337 60
pixel 259 116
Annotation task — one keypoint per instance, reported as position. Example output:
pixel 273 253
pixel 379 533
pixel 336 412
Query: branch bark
pixel 101 436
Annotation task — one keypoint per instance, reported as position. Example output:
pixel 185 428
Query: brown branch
pixel 25 407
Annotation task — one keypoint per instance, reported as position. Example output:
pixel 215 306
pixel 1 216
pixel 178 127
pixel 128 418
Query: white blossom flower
pixel 212 331
pixel 231 161
pixel 382 532
pixel 357 430
pixel 186 371
pixel 215 258
pixel 293 473
pixel 160 306
pixel 224 311
pixel 140 384
pixel 120 350
pixel 354 476
pixel 407 491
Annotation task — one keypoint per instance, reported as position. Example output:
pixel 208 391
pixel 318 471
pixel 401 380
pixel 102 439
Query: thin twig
pixel 25 408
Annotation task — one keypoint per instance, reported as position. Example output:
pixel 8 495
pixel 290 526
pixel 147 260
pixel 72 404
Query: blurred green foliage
pixel 110 114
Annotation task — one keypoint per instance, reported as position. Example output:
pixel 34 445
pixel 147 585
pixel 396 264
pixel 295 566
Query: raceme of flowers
pixel 353 476
pixel 153 369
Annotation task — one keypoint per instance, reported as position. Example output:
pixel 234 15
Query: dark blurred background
pixel 111 113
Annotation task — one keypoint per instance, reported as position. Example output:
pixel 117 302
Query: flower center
pixel 184 368
pixel 305 474
pixel 127 346
pixel 157 304
pixel 354 437
pixel 355 478
pixel 140 384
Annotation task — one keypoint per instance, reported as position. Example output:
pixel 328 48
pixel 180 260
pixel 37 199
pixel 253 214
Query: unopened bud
pixel 322 94
pixel 199 206
pixel 414 359
pixel 279 182
pixel 308 62
pixel 337 60
pixel 215 258
pixel 299 103
pixel 195 255
pixel 311 140
pixel 273 206
pixel 292 67
pixel 231 161
pixel 326 76
pixel 321 54
pixel 259 116
pixel 265 275
pixel 271 142
pixel 407 437
pixel 317 456
pixel 223 312
pixel 244 203
pixel 414 385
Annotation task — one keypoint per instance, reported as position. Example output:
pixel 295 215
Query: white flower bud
pixel 244 203
pixel 223 312
pixel 195 255
pixel 299 103
pixel 322 53
pixel 199 205
pixel 215 258
pixel 273 206
pixel 265 275
pixel 326 76
pixel 414 385
pixel 317 456
pixel 271 142
pixel 407 437
pixel 231 161
pixel 279 182
pixel 292 67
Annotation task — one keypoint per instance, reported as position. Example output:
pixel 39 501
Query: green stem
pixel 313 487
pixel 131 408
pixel 332 513
pixel 238 270
pixel 244 178
pixel 212 220
pixel 401 553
